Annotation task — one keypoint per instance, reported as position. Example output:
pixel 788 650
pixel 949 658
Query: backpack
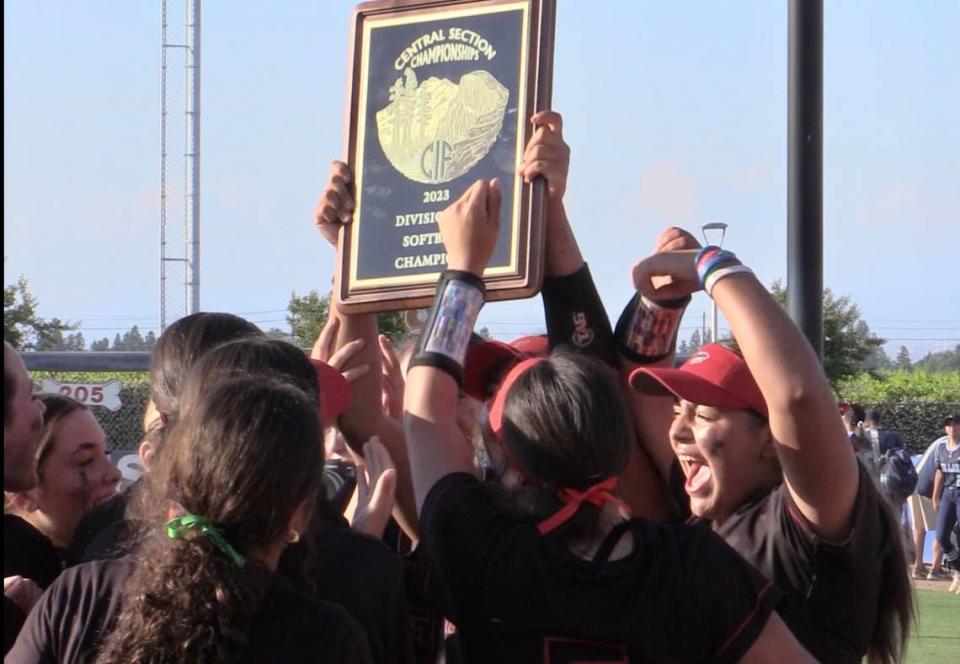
pixel 898 477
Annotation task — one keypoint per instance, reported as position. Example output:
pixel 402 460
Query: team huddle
pixel 563 498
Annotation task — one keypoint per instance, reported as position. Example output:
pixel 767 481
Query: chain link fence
pixel 114 385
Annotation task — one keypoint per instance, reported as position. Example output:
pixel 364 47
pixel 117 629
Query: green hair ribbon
pixel 178 527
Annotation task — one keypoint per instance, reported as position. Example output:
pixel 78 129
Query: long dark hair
pixel 567 422
pixel 256 356
pixel 249 357
pixel 895 601
pixel 182 344
pixel 245 456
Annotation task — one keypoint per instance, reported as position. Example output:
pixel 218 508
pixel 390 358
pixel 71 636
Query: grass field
pixel 936 637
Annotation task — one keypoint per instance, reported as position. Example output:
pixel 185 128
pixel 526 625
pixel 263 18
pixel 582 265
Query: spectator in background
pixel 853 423
pixel 881 440
pixel 923 515
pixel 896 471
pixel 946 494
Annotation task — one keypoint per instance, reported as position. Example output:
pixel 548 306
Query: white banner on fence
pixel 129 464
pixel 90 394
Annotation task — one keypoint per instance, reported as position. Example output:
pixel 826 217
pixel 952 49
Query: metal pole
pixel 705 229
pixel 715 326
pixel 193 154
pixel 805 169
pixel 163 166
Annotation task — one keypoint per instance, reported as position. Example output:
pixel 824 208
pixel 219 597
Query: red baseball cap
pixel 334 391
pixel 488 360
pixel 713 376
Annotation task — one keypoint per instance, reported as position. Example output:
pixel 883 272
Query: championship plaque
pixel 441 95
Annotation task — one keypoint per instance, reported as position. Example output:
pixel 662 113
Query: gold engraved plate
pixel 437 130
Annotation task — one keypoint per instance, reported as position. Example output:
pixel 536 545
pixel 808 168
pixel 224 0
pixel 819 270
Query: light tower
pixel 180 194
pixel 722 227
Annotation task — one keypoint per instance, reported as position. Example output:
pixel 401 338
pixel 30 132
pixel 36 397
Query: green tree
pixel 22 327
pixel 277 333
pixel 117 343
pixel 945 360
pixel 133 340
pixel 903 359
pixel 53 339
pixel 101 345
pixel 846 344
pixel 877 360
pixel 393 324
pixel 307 314
pixel 695 342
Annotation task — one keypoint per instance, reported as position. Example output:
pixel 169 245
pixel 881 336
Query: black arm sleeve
pixel 575 316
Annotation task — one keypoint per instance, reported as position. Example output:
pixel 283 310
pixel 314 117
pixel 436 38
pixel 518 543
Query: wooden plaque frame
pixel 390 39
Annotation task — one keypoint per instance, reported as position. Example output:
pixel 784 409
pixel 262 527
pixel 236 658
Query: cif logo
pixel 434 160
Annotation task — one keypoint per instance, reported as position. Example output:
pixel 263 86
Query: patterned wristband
pixel 460 297
pixel 647 330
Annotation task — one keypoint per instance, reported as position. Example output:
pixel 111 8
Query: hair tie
pixel 178 528
pixel 597 495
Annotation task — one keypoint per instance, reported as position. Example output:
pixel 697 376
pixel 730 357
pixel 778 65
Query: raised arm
pixel 574 312
pixel 818 463
pixel 435 445
pixel 652 414
pixel 548 156
pixel 362 419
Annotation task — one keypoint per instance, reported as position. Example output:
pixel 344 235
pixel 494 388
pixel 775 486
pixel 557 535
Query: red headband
pixel 500 398
pixel 598 494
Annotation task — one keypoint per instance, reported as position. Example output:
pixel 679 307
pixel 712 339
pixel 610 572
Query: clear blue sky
pixel 675 113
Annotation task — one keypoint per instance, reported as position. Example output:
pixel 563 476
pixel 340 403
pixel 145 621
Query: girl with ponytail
pixel 242 467
pixel 561 572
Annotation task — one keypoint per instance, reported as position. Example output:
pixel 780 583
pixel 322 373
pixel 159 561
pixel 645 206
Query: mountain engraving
pixel 437 130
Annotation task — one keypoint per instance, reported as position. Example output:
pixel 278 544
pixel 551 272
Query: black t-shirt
pixel 516 596
pixel 359 573
pixel 66 624
pixel 28 553
pixel 832 588
pixel 103 532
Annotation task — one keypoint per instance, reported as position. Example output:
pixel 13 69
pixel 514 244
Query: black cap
pixel 950 419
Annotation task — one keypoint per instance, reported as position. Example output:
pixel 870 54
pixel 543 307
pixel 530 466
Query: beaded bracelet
pixel 717 275
pixel 712 258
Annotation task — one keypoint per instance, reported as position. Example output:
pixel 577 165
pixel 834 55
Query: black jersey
pixel 67 623
pixel 832 592
pixel 28 553
pixel 516 596
pixel 360 573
